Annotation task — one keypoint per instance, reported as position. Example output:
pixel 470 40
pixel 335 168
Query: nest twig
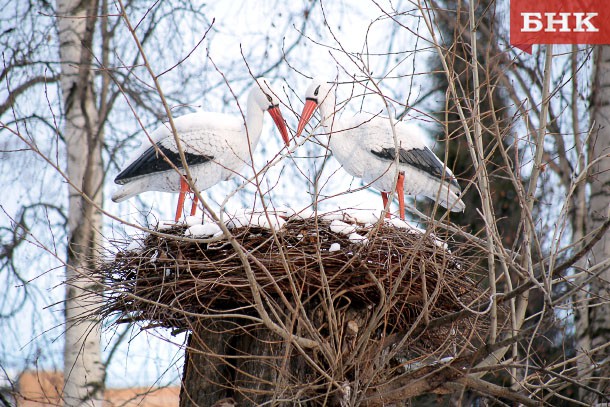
pixel 171 280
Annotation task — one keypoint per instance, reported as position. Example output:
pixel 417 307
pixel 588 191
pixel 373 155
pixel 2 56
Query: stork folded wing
pixel 421 158
pixel 158 159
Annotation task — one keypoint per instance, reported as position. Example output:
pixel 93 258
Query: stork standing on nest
pixel 364 146
pixel 216 147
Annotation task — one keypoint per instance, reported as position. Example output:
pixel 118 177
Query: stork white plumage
pixel 364 146
pixel 216 147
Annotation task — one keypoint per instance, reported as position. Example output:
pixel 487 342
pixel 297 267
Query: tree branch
pixel 22 88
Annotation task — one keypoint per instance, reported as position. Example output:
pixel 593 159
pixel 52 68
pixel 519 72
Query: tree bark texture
pixel 249 364
pixel 207 372
pixel 593 317
pixel 83 368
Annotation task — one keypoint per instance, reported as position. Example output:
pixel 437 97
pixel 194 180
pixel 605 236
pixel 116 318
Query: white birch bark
pixel 83 369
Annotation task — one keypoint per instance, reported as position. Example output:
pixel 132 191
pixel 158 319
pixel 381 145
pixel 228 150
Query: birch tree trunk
pixel 83 369
pixel 593 322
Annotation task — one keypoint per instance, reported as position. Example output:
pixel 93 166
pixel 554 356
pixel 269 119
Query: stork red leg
pixel 184 187
pixel 384 198
pixel 194 205
pixel 400 190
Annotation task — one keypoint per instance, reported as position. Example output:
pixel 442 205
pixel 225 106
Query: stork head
pixel 319 91
pixel 267 98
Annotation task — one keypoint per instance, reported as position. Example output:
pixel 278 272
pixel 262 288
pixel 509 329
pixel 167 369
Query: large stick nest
pixel 170 280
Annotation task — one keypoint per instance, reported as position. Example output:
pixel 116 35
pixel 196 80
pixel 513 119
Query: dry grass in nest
pixel 170 280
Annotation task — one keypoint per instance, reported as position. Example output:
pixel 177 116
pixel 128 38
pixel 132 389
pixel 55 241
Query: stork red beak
pixel 277 117
pixel 308 109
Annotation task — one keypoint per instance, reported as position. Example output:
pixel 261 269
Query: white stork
pixel 216 147
pixel 364 146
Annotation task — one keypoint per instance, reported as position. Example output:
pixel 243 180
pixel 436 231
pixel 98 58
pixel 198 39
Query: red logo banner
pixel 559 22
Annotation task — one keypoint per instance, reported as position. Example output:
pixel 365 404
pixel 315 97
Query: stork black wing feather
pixel 158 159
pixel 421 158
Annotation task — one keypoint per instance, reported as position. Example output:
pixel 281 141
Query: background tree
pixel 453 22
pixel 83 369
pixel 593 305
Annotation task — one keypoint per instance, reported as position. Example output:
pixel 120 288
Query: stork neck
pixel 327 110
pixel 254 120
pixel 330 121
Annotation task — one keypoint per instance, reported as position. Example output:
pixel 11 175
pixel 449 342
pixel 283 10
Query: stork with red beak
pixel 216 147
pixel 365 147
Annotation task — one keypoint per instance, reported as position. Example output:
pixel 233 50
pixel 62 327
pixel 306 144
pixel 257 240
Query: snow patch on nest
pixel 335 247
pixel 356 238
pixel 193 220
pixel 355 223
pixel 202 230
pixel 338 226
pixel 248 217
pixel 414 230
pixel 165 225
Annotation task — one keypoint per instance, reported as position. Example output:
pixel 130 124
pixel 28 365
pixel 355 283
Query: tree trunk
pixel 83 369
pixel 593 320
pixel 207 374
pixel 250 364
pixel 268 370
